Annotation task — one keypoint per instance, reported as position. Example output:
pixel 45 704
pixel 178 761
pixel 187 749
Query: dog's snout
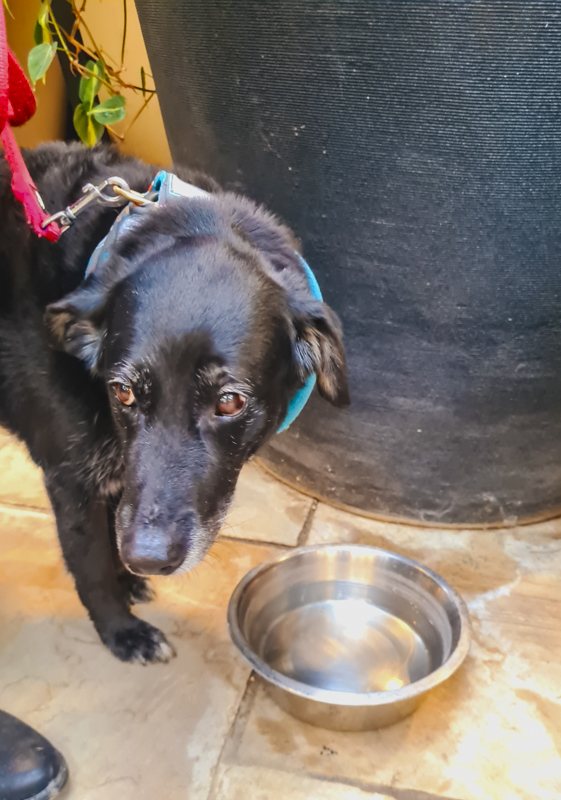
pixel 151 552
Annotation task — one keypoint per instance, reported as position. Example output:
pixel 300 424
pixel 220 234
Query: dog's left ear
pixel 77 324
pixel 318 347
pixel 317 338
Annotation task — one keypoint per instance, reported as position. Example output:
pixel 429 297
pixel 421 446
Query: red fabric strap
pixel 17 105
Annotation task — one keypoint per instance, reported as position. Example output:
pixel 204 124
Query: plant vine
pixel 95 68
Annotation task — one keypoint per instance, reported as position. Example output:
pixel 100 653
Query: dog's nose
pixel 152 553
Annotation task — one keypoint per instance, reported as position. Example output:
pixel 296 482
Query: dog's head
pixel 203 326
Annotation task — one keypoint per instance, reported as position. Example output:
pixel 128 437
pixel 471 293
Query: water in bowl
pixel 346 645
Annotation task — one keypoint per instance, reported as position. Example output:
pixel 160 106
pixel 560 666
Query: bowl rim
pixel 339 698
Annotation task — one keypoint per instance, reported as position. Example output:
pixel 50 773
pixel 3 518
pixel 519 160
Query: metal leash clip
pixel 122 193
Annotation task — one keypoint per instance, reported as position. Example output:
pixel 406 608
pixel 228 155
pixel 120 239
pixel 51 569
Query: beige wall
pixel 146 138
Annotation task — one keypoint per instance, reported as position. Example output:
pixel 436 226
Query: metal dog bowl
pixel 348 637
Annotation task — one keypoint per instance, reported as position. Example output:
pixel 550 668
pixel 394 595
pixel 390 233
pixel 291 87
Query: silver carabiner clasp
pixel 96 192
pixel 121 194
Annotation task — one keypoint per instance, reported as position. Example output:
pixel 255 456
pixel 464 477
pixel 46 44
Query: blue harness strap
pixel 302 396
pixel 164 187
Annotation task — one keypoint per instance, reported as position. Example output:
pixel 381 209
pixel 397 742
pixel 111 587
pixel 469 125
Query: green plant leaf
pixel 39 60
pixel 91 84
pixel 110 111
pixel 117 101
pixel 143 81
pixel 38 34
pixel 43 16
pixel 87 128
pixel 41 32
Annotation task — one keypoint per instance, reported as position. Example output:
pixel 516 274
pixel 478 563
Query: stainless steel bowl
pixel 348 637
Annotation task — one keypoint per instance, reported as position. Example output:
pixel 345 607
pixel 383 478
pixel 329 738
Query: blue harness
pixel 166 186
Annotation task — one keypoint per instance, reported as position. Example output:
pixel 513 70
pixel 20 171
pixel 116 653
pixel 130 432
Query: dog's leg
pixel 136 589
pixel 84 536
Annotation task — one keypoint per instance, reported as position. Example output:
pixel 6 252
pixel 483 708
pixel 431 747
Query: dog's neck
pixel 165 188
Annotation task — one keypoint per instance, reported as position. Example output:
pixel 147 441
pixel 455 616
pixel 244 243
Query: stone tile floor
pixel 201 728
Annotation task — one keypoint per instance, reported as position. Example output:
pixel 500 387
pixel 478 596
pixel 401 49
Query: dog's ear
pixel 318 347
pixel 77 324
pixel 317 338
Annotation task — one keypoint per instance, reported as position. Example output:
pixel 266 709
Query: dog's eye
pixel 124 393
pixel 229 404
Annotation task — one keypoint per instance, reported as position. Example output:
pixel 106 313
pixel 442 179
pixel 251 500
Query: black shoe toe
pixel 30 767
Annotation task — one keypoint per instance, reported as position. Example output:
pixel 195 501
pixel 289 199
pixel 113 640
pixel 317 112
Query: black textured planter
pixel 415 147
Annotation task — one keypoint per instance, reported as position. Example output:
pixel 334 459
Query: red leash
pixel 17 105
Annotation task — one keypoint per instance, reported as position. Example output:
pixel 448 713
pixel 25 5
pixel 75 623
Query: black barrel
pixel 415 147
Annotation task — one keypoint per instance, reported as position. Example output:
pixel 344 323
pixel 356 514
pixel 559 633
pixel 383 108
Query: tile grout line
pixel 307 526
pixel 240 720
pixel 383 790
pixel 227 538
pixel 23 509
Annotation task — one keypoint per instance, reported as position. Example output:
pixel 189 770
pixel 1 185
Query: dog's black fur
pixel 206 297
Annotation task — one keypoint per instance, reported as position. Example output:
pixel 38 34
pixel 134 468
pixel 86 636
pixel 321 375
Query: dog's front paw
pixel 137 589
pixel 136 640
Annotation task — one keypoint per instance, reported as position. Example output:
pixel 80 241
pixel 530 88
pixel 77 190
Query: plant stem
pixel 124 32
pixel 93 55
pixel 114 135
pixel 59 34
pixel 83 25
pixel 80 46
pixel 138 113
pixel 85 71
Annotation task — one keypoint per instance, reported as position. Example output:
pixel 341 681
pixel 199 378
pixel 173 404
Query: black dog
pixel 143 389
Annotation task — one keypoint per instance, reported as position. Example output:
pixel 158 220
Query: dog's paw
pixel 137 589
pixel 136 640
